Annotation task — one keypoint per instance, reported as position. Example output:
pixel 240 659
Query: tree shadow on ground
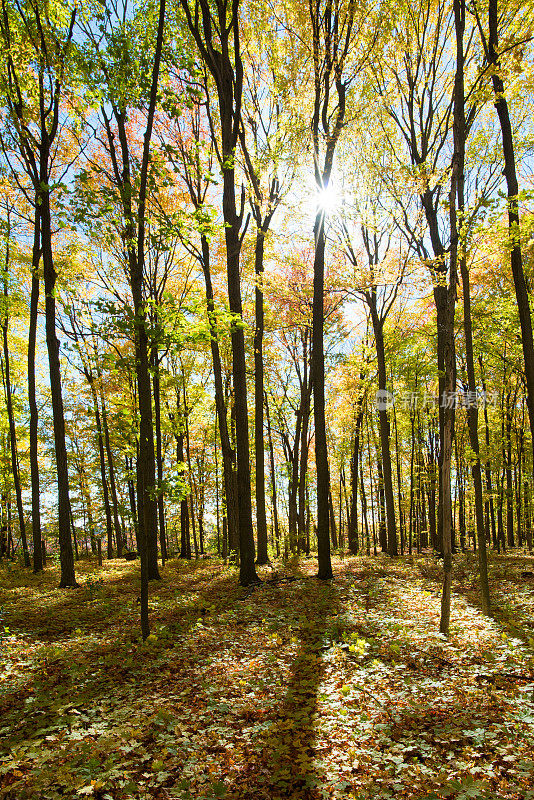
pixel 40 610
pixel 82 646
pixel 282 762
pixel 505 574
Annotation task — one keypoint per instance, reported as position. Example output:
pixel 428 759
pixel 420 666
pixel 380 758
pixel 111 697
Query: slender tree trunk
pixel 329 56
pixel 321 452
pixel 75 540
pixel 228 453
pixel 435 538
pixel 65 540
pixel 293 465
pixel 402 518
pixel 371 487
pixel 333 530
pixel 518 481
pixel 217 503
pixel 159 454
pixel 133 502
pixel 412 459
pixel 113 487
pixel 472 422
pixel 192 517
pixel 306 390
pixel 86 496
pixel 383 419
pixel 460 494
pixel 111 469
pixel 510 174
pixel 185 539
pixel 509 480
pixel 449 359
pixel 352 522
pixel 489 488
pixel 501 543
pixel 11 416
pixel 247 570
pixel 381 501
pixel 192 487
pixel 528 520
pixel 32 400
pixel 276 531
pixel 343 507
pixel 364 509
pixel 226 67
pixel 261 516
pixel 102 461
pixel 146 472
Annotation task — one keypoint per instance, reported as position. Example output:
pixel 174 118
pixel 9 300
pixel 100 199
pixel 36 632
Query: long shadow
pixel 62 610
pixel 515 620
pixel 283 762
pixel 63 671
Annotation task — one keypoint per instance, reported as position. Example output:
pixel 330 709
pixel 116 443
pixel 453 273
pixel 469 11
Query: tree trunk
pixel 217 503
pixel 276 531
pixel 306 390
pixel 381 502
pixel 293 465
pixel 352 521
pixel 333 530
pixel 321 452
pixel 489 488
pixel 65 540
pixel 501 543
pixel 32 400
pixel 412 459
pixel 383 419
pixel 510 174
pixel 449 357
pixel 228 454
pixel 472 422
pixel 133 502
pixel 528 521
pixel 111 469
pixel 225 65
pixel 10 414
pixel 261 516
pixel 461 496
pixel 364 509
pixel 402 517
pixel 509 480
pixel 102 460
pixel 185 540
pixel 159 455
pixel 247 570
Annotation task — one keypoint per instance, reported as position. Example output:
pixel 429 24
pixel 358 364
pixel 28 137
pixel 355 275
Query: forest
pixel 267 407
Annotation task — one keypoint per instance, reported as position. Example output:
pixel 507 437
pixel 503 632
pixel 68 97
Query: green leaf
pixel 219 789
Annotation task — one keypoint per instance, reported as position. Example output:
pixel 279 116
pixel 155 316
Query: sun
pixel 328 200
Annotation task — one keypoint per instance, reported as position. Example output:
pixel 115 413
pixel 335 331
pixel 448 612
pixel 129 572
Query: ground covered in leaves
pixel 297 689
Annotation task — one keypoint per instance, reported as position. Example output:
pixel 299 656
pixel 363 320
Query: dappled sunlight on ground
pixel 298 689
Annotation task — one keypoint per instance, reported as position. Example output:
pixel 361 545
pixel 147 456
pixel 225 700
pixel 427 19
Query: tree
pixel 331 32
pixel 194 166
pixel 490 43
pixel 215 28
pixel 6 375
pixel 37 61
pixel 378 280
pixel 130 179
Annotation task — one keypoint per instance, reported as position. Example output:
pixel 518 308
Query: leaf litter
pixel 297 689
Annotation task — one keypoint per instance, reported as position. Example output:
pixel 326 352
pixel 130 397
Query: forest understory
pixel 296 688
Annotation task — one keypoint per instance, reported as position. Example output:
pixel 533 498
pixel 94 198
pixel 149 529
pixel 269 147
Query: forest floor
pixel 297 689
